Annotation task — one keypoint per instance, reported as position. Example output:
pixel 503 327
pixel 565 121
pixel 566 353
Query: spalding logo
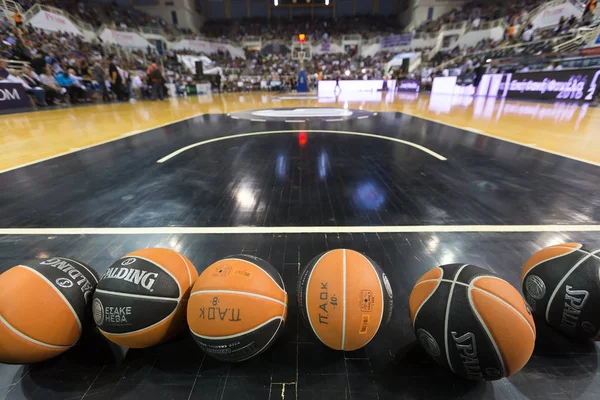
pixel 574 302
pixel 66 267
pixel 467 348
pixel 428 342
pixel 98 311
pixel 137 276
pixel 535 286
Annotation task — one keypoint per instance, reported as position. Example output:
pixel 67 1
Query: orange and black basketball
pixel 344 298
pixel 561 283
pixel 42 308
pixel 141 299
pixel 237 308
pixel 472 322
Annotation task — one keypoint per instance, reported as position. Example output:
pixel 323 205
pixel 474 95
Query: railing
pixel 454 26
pixel 489 25
pixel 151 30
pixel 352 37
pixel 18 66
pixel 583 36
pixel 10 7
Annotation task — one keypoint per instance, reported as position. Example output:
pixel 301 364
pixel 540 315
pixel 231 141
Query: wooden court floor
pixel 411 181
pixel 567 129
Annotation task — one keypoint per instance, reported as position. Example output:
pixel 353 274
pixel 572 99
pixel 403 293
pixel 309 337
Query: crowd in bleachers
pixel 61 69
pixel 109 14
pixel 314 28
pixel 479 11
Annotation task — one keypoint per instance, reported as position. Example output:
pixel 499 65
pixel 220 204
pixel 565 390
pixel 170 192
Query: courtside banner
pixel 13 95
pixel 575 84
pixel 409 85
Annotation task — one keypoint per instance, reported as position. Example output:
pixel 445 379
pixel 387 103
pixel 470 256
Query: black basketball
pixel 561 283
pixel 472 322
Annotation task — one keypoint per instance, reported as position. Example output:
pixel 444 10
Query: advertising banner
pixel 124 39
pixel 13 95
pixel 396 40
pixel 550 16
pixel 54 22
pixel 577 84
pixel 409 85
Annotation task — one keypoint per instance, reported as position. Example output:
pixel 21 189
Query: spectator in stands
pixel 590 6
pixel 66 81
pixel 157 81
pixel 18 19
pixel 84 93
pixel 528 33
pixel 37 92
pixel 53 90
pixel 138 86
pixel 38 63
pixel 99 76
pixel 557 66
pixel 116 81
pixel 548 67
pixel 3 69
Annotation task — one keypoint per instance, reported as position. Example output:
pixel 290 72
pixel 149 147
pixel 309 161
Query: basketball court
pixel 411 181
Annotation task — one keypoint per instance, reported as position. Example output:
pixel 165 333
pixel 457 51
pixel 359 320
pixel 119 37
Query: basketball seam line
pixel 32 340
pixel 84 267
pixel 439 281
pixel 282 321
pixel 560 283
pixel 239 293
pixel 237 334
pixel 382 297
pixel 187 268
pixel 137 296
pixel 143 329
pixel 486 329
pixel 161 267
pixel 306 296
pixel 448 303
pixel 59 293
pixel 266 273
pixel 532 328
pixel 550 259
pixel 344 296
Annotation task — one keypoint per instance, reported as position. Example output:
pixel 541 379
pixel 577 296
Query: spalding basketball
pixel 140 300
pixel 561 283
pixel 472 322
pixel 344 298
pixel 42 308
pixel 237 308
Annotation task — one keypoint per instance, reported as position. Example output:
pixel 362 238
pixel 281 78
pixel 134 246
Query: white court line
pixel 171 230
pixel 74 150
pixel 363 117
pixel 406 142
pixel 335 120
pixel 295 120
pixel 480 132
pixel 258 120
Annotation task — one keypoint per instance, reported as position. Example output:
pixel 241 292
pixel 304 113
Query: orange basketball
pixel 42 308
pixel 140 300
pixel 344 297
pixel 237 308
pixel 472 322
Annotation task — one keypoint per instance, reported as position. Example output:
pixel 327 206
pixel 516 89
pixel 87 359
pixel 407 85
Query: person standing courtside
pixel 116 81
pixel 157 81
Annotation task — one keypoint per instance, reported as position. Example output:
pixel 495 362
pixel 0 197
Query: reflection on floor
pixel 568 129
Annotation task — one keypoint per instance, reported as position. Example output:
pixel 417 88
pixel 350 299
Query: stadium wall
pixel 419 12
pixel 187 16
